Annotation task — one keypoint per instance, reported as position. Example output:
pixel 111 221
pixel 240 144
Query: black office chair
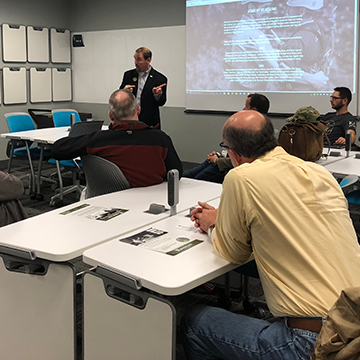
pixel 74 165
pixel 102 176
pixel 258 308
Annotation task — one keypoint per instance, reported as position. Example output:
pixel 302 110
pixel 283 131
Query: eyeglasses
pixel 335 98
pixel 227 147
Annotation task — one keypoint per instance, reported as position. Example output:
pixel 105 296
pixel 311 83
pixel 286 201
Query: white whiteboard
pixel 99 66
pixel 61 84
pixel 38 44
pixel 14 86
pixel 60 46
pixel 14 43
pixel 40 85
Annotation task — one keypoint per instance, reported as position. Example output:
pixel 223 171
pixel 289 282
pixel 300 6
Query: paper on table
pixel 161 241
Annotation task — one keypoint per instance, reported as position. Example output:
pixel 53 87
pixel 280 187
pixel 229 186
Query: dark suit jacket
pixel 150 113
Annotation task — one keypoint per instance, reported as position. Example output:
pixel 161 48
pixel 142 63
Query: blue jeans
pixel 215 333
pixel 207 172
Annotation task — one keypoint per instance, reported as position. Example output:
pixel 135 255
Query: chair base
pixel 57 199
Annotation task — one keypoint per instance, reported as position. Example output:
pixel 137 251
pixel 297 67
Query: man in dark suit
pixel 148 85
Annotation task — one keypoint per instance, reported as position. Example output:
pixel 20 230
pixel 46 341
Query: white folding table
pixel 37 298
pixel 126 315
pixel 334 156
pixel 346 166
pixel 43 137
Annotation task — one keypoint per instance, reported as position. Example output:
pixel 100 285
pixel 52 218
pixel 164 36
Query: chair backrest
pixel 62 117
pixel 102 176
pixel 19 121
pixel 348 181
pixel 85 127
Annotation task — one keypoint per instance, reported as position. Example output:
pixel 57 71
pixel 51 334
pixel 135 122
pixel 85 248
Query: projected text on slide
pixel 306 47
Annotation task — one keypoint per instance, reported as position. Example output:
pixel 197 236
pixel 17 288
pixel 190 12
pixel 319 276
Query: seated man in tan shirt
pixel 293 217
pixel 216 165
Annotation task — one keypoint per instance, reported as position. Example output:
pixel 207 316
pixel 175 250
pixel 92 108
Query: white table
pixel 44 137
pixel 346 166
pixel 332 158
pixel 56 237
pixel 47 135
pixel 37 300
pixel 119 298
pixel 165 274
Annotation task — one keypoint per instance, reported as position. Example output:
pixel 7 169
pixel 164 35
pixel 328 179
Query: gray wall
pixel 54 13
pixel 194 135
pixel 95 15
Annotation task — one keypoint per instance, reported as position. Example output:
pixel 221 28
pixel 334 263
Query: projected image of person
pixel 252 52
pixel 307 48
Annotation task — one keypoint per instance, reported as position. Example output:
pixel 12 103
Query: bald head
pixel 249 133
pixel 247 119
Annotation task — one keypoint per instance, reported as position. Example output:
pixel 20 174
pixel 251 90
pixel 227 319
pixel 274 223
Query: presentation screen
pixel 293 51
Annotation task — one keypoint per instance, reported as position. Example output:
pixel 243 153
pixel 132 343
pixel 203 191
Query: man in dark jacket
pixel 148 85
pixel 144 154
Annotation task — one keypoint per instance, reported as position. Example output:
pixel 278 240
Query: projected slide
pixel 295 51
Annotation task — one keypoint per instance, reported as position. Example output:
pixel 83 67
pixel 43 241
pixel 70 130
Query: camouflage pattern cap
pixel 306 113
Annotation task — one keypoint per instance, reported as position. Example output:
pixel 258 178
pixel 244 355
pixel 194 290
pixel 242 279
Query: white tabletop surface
pixel 59 237
pixel 163 273
pixel 346 166
pixel 341 154
pixel 46 135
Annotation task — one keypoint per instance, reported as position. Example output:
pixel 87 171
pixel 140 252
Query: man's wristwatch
pixel 215 161
pixel 211 228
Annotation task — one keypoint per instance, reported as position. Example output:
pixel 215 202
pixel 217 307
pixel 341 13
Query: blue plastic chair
pixel 62 117
pixel 348 181
pixel 19 121
pixel 353 197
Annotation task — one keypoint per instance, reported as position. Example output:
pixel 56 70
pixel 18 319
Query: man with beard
pixel 341 120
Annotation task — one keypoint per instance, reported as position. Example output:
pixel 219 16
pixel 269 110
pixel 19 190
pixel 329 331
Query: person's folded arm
pixel 172 160
pixel 11 187
pixel 224 164
pixel 70 147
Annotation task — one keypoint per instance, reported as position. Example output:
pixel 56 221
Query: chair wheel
pixel 248 305
pixel 40 197
pixel 27 192
pixel 32 196
pixel 260 313
pixel 224 302
pixel 58 203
